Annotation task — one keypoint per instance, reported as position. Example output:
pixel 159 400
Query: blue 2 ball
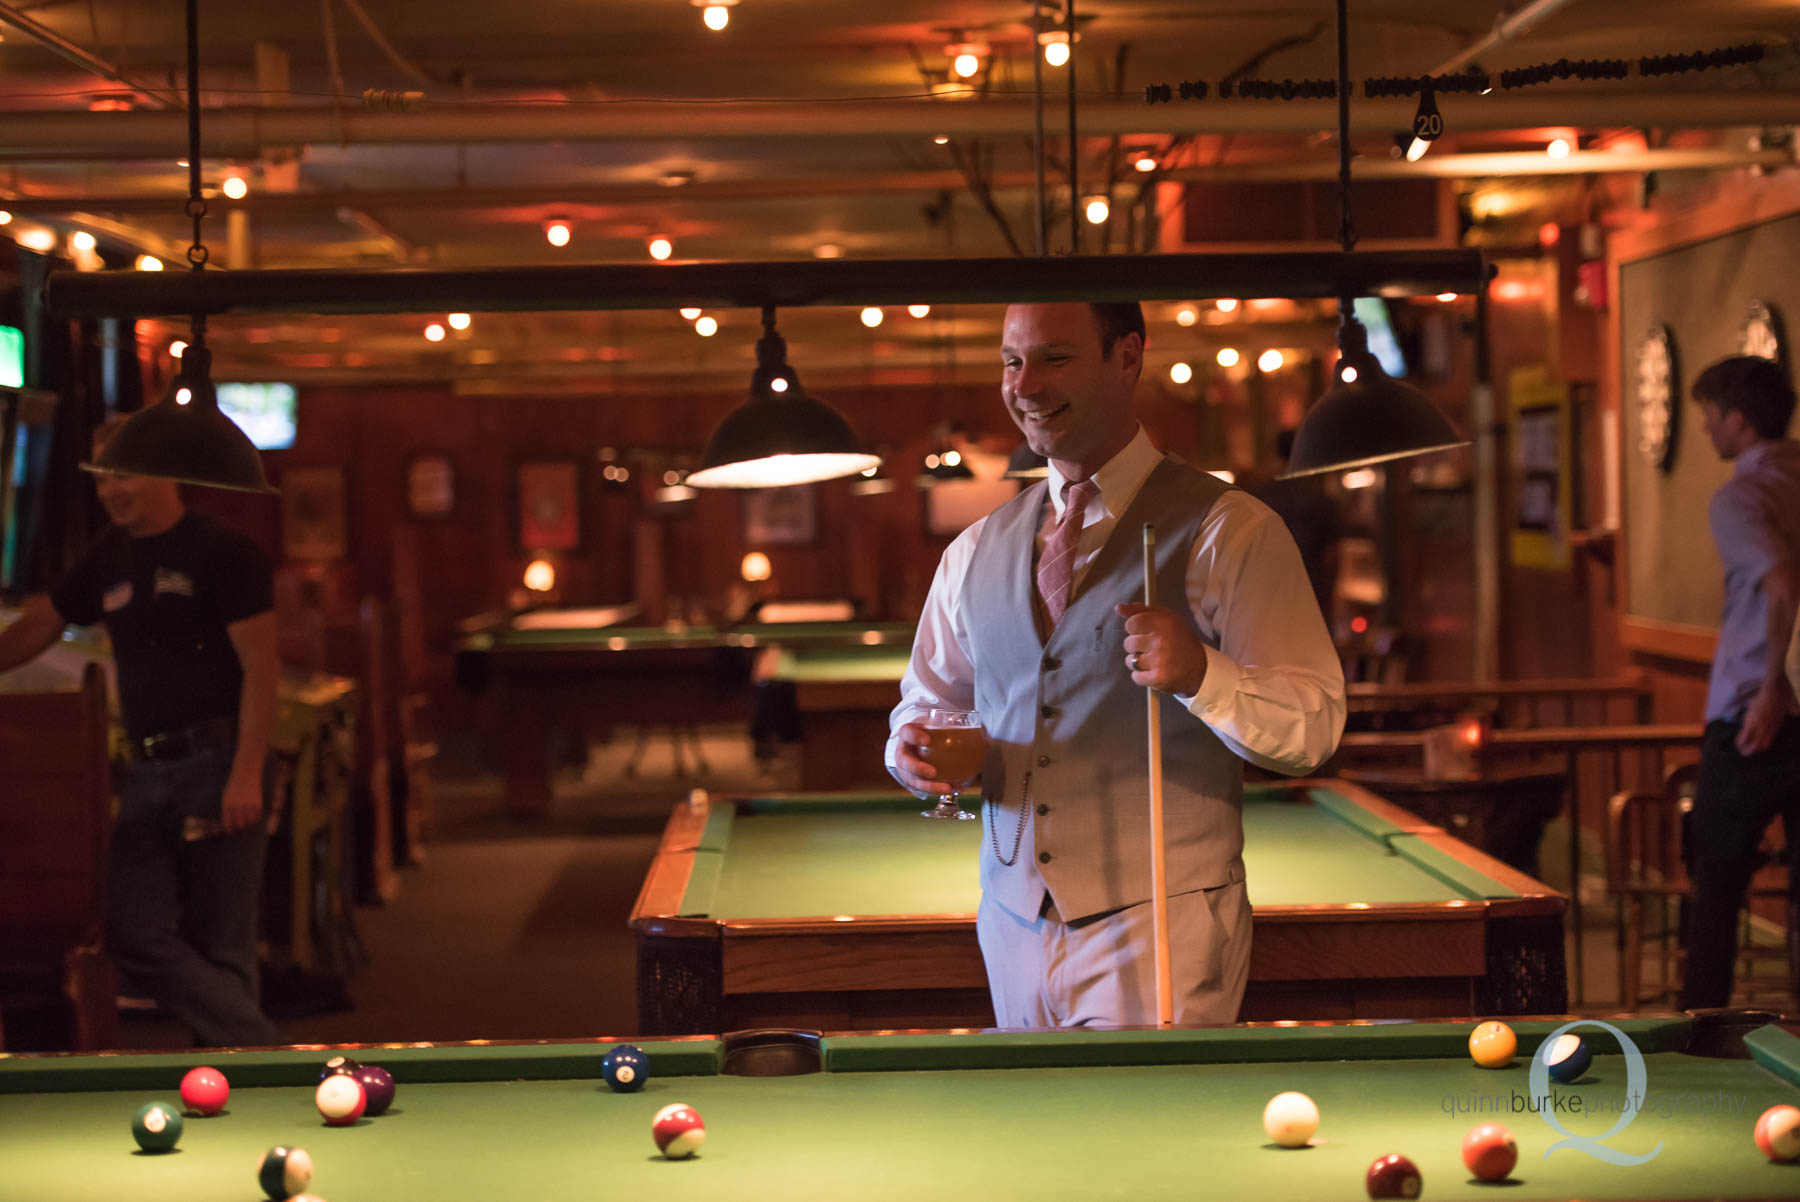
pixel 625 1068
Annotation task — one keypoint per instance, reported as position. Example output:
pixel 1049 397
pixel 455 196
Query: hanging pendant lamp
pixel 185 437
pixel 1366 416
pixel 781 435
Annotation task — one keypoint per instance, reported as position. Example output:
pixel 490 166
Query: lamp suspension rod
pixel 1074 141
pixel 1037 141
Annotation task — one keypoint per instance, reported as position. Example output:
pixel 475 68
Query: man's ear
pixel 1130 349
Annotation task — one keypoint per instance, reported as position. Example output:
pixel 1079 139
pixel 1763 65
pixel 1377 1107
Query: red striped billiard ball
pixel 678 1131
pixel 204 1090
pixel 1394 1176
pixel 1778 1132
pixel 1489 1151
pixel 340 1099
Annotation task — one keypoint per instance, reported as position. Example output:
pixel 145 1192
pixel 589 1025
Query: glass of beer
pixel 957 748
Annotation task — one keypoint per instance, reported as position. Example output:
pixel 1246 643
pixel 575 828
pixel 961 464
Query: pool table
pixel 848 911
pixel 1051 1116
pixel 546 671
pixel 834 701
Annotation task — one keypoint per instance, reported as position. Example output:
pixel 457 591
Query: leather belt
pixel 177 744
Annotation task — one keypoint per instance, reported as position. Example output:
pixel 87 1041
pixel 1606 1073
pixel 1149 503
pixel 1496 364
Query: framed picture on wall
pixel 549 505
pixel 430 486
pixel 312 513
pixel 781 516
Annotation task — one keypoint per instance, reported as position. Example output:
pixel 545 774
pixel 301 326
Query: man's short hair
pixel 1115 321
pixel 1756 387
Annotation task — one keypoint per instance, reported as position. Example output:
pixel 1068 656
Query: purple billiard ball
pixel 378 1087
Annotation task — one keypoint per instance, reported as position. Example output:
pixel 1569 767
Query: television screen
pixel 12 358
pixel 1372 311
pixel 263 411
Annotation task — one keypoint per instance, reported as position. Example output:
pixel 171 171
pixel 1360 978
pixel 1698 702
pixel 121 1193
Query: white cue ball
pixel 1290 1119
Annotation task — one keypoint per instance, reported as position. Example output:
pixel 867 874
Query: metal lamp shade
pixel 1370 420
pixel 193 442
pixel 774 440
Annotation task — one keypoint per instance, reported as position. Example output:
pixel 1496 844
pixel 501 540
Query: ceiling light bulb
pixel 236 187
pixel 40 240
pixel 434 332
pixel 661 248
pixel 965 65
pixel 5 217
pixel 1056 53
pixel 1348 375
pixel 1558 149
pixel 82 240
pixel 1097 209
pixel 183 395
pixel 1270 360
pixel 1226 305
pixel 1446 297
pixel 557 233
pixel 706 327
pixel 716 16
pixel 458 321
pixel 919 310
pixel 689 314
pixel 1416 150
pixel 1187 315
pixel 1145 163
pixel 872 316
pixel 1228 356
pixel 778 384
pixel 149 263
pixel 754 567
pixel 540 576
pixel 177 349
pixel 1180 373
pixel 940 140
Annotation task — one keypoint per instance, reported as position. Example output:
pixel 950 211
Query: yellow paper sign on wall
pixel 1542 475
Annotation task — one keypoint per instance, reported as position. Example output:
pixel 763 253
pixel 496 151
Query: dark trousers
pixel 182 913
pixel 1736 797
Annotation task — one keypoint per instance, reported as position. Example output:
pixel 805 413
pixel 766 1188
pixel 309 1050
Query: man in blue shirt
pixel 1750 757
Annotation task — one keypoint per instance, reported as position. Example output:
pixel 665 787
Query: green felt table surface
pixel 872 854
pixel 1066 1115
pixel 512 638
pixel 882 662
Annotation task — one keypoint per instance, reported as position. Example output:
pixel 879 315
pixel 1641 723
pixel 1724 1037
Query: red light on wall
pixel 1549 234
pixel 1359 625
pixel 1471 733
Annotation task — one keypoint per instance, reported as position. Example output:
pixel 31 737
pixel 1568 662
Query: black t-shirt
pixel 167 601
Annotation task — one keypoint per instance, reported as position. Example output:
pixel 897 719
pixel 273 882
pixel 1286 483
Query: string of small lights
pixel 1585 70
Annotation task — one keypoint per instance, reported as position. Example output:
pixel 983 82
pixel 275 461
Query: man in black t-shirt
pixel 188 605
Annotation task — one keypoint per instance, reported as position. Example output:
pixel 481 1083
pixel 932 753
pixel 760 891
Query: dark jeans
pixel 1736 797
pixel 182 913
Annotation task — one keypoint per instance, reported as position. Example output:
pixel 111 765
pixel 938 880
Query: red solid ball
pixel 205 1090
pixel 1489 1151
pixel 1394 1176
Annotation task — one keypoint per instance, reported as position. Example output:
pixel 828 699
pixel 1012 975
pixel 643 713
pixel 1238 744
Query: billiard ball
pixel 1778 1132
pixel 378 1088
pixel 1489 1151
pixel 1568 1056
pixel 678 1131
pixel 625 1068
pixel 340 1100
pixel 1394 1176
pixel 339 1065
pixel 204 1090
pixel 157 1127
pixel 1492 1044
pixel 1290 1119
pixel 284 1172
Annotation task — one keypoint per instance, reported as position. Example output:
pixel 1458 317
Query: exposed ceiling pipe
pixel 1444 166
pixel 81 57
pixel 1505 29
pixel 244 131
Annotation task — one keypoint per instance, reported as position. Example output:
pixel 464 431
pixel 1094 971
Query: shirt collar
pixel 1119 478
pixel 1752 457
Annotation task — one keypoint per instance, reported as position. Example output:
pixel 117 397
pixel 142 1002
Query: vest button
pixel 1043 761
pixel 1048 711
pixel 1043 809
pixel 1051 663
pixel 1043 857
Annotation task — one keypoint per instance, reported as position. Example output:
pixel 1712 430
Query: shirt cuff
pixel 1217 689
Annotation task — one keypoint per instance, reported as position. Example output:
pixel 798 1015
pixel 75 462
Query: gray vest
pixel 1067 775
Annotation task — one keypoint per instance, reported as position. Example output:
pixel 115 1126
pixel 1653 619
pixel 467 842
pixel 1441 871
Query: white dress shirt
pixel 1274 689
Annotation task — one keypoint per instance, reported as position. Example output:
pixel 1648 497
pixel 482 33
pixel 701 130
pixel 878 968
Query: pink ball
pixel 205 1090
pixel 678 1131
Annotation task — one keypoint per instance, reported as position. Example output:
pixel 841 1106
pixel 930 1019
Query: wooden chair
pixel 1646 862
pixel 55 807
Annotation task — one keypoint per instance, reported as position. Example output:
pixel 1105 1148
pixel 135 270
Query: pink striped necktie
pixel 1056 563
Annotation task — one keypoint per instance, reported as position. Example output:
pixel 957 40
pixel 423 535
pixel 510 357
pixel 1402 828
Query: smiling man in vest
pixel 1034 621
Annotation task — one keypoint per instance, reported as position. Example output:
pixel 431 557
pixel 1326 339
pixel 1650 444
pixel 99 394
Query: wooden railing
pixel 1548 701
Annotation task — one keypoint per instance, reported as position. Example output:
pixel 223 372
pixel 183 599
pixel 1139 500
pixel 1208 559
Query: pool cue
pixel 1159 868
